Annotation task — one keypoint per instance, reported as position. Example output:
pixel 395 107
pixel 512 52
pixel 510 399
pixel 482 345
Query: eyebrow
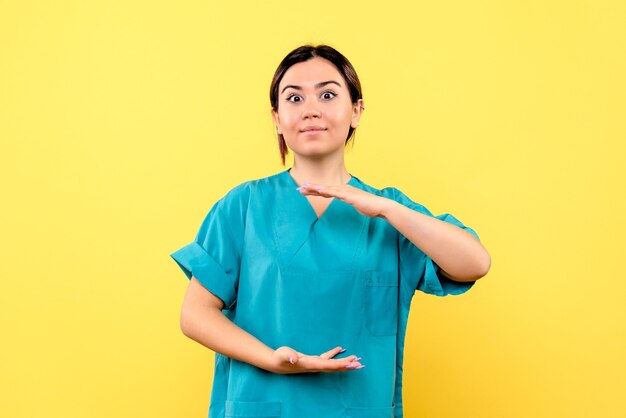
pixel 317 86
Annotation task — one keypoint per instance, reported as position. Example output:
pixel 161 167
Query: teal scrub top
pixel 289 278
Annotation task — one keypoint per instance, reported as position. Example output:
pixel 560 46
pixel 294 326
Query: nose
pixel 310 113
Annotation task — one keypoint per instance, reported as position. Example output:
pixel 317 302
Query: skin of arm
pixel 202 320
pixel 458 253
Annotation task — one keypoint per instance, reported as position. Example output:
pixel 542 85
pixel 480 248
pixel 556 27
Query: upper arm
pixel 197 296
pixel 213 258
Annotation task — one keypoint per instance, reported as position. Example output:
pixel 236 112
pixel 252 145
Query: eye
pixel 294 98
pixel 327 95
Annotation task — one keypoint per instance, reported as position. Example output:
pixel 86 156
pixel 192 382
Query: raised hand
pixel 288 361
pixel 365 203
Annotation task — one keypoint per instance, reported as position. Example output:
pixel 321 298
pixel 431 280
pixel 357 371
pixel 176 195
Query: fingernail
pixel 360 367
pixel 299 188
pixel 306 183
pixel 350 366
pixel 357 359
pixel 343 350
pixel 291 360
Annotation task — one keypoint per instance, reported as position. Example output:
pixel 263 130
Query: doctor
pixel 271 251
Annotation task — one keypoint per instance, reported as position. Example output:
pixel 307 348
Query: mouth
pixel 312 128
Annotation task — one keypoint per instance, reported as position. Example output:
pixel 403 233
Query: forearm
pixel 211 328
pixel 455 251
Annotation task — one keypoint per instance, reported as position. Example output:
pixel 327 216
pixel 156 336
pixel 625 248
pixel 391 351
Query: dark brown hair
pixel 305 53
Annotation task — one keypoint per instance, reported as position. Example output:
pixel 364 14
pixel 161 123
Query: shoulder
pixel 238 198
pixel 392 193
pixel 385 192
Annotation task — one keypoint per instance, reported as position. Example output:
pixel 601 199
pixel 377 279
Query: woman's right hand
pixel 203 321
pixel 286 360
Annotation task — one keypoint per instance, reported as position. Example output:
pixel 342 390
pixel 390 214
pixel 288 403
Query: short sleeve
pixel 214 256
pixel 418 269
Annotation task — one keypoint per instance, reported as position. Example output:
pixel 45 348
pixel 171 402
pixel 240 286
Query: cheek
pixel 287 119
pixel 344 111
pixel 342 117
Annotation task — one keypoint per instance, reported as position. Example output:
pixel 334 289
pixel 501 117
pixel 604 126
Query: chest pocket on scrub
pixel 381 303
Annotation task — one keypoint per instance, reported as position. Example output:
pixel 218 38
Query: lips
pixel 312 128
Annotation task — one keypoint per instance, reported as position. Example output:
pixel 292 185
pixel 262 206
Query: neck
pixel 325 171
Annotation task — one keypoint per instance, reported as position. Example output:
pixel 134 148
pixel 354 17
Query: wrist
pixel 387 208
pixel 265 359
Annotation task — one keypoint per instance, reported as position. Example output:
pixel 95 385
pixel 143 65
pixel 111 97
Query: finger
pixel 312 189
pixel 318 364
pixel 339 365
pixel 308 192
pixel 318 188
pixel 332 353
pixel 332 191
pixel 340 192
pixel 354 366
pixel 342 360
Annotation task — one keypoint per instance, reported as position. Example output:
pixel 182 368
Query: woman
pixel 312 260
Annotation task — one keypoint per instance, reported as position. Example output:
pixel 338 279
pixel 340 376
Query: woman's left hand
pixel 365 203
pixel 457 252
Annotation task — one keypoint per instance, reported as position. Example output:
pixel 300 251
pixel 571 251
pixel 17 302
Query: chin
pixel 316 152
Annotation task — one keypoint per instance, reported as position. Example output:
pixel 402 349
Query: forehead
pixel 311 72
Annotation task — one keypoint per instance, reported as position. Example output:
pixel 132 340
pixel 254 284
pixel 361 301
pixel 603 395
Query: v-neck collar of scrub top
pixel 351 182
pixel 293 234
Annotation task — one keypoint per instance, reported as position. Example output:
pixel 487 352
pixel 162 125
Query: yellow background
pixel 121 122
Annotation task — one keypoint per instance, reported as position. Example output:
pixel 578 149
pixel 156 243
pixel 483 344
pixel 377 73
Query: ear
pixel 276 119
pixel 357 111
